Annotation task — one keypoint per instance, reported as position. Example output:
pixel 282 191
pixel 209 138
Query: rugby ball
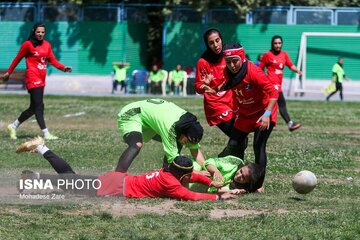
pixel 304 182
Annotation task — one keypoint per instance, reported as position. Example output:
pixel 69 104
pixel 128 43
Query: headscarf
pixel 209 55
pixel 272 44
pixel 180 167
pixel 35 42
pixel 189 126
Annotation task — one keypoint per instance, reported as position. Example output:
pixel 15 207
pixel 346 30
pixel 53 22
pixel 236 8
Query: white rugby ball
pixel 304 182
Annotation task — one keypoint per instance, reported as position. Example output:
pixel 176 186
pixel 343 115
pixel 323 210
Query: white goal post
pixel 300 84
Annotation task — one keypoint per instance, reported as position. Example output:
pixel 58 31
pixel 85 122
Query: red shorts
pixel 249 123
pixel 223 117
pixel 112 184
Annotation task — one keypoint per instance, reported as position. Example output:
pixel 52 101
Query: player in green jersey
pixel 236 172
pixel 161 120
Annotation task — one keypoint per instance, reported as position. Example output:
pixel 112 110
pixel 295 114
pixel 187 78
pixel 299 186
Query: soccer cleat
pixel 30 145
pixel 49 136
pixel 11 131
pixel 293 126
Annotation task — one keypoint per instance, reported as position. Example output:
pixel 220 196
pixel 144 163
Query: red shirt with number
pixel 157 184
pixel 36 62
pixel 251 97
pixel 218 107
pixel 275 65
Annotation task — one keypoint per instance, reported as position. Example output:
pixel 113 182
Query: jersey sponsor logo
pixel 245 101
pixel 41 66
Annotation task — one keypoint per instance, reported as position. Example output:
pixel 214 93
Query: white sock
pixel 42 149
pixel 290 123
pixel 15 124
pixel 45 131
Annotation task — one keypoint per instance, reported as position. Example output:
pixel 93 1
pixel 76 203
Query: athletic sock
pixel 42 149
pixel 45 131
pixel 15 124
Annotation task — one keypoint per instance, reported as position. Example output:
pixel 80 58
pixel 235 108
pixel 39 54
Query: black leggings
pixel 238 143
pixel 36 107
pixel 122 84
pixel 67 174
pixel 282 107
pixel 126 158
pixel 226 127
pixel 339 88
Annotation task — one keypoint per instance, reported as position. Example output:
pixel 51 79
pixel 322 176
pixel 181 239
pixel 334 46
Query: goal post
pixel 300 85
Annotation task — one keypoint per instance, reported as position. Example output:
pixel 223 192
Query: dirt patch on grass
pixel 130 209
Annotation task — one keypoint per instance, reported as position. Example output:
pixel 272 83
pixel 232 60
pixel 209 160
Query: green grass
pixel 328 144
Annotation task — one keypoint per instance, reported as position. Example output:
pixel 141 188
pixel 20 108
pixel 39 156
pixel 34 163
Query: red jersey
pixel 218 107
pixel 275 65
pixel 157 184
pixel 36 59
pixel 251 97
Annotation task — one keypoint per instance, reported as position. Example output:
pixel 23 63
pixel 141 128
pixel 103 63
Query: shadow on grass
pixel 297 198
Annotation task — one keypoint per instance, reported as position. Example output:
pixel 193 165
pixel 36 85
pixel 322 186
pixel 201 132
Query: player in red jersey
pixel 37 53
pixel 164 183
pixel 218 107
pixel 255 103
pixel 275 61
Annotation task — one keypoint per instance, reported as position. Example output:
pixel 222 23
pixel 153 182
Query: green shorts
pixel 129 120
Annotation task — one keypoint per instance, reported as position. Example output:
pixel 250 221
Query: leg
pixel 115 83
pixel 134 141
pixel 237 144
pixel 340 88
pixel 260 140
pixel 282 108
pixel 284 114
pixel 35 100
pixel 226 127
pixel 123 86
pixel 330 95
pixel 60 166
pixel 37 97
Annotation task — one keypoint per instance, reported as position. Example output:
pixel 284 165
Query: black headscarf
pixel 209 55
pixel 35 42
pixel 180 167
pixel 189 126
pixel 272 44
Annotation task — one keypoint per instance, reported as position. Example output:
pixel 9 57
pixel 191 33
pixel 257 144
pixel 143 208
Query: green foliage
pixel 327 144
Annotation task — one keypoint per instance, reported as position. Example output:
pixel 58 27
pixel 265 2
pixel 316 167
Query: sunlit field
pixel 328 144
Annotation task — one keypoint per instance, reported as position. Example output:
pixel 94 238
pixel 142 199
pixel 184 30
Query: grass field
pixel 328 144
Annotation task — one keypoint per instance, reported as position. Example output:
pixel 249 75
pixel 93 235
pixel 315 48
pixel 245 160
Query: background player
pixel 37 52
pixel 275 61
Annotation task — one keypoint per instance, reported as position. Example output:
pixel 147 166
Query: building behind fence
pixel 91 37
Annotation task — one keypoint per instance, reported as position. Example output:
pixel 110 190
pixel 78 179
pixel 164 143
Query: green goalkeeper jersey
pixel 227 166
pixel 154 117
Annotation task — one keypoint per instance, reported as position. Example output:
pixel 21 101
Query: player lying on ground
pixel 244 177
pixel 166 182
pixel 161 120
